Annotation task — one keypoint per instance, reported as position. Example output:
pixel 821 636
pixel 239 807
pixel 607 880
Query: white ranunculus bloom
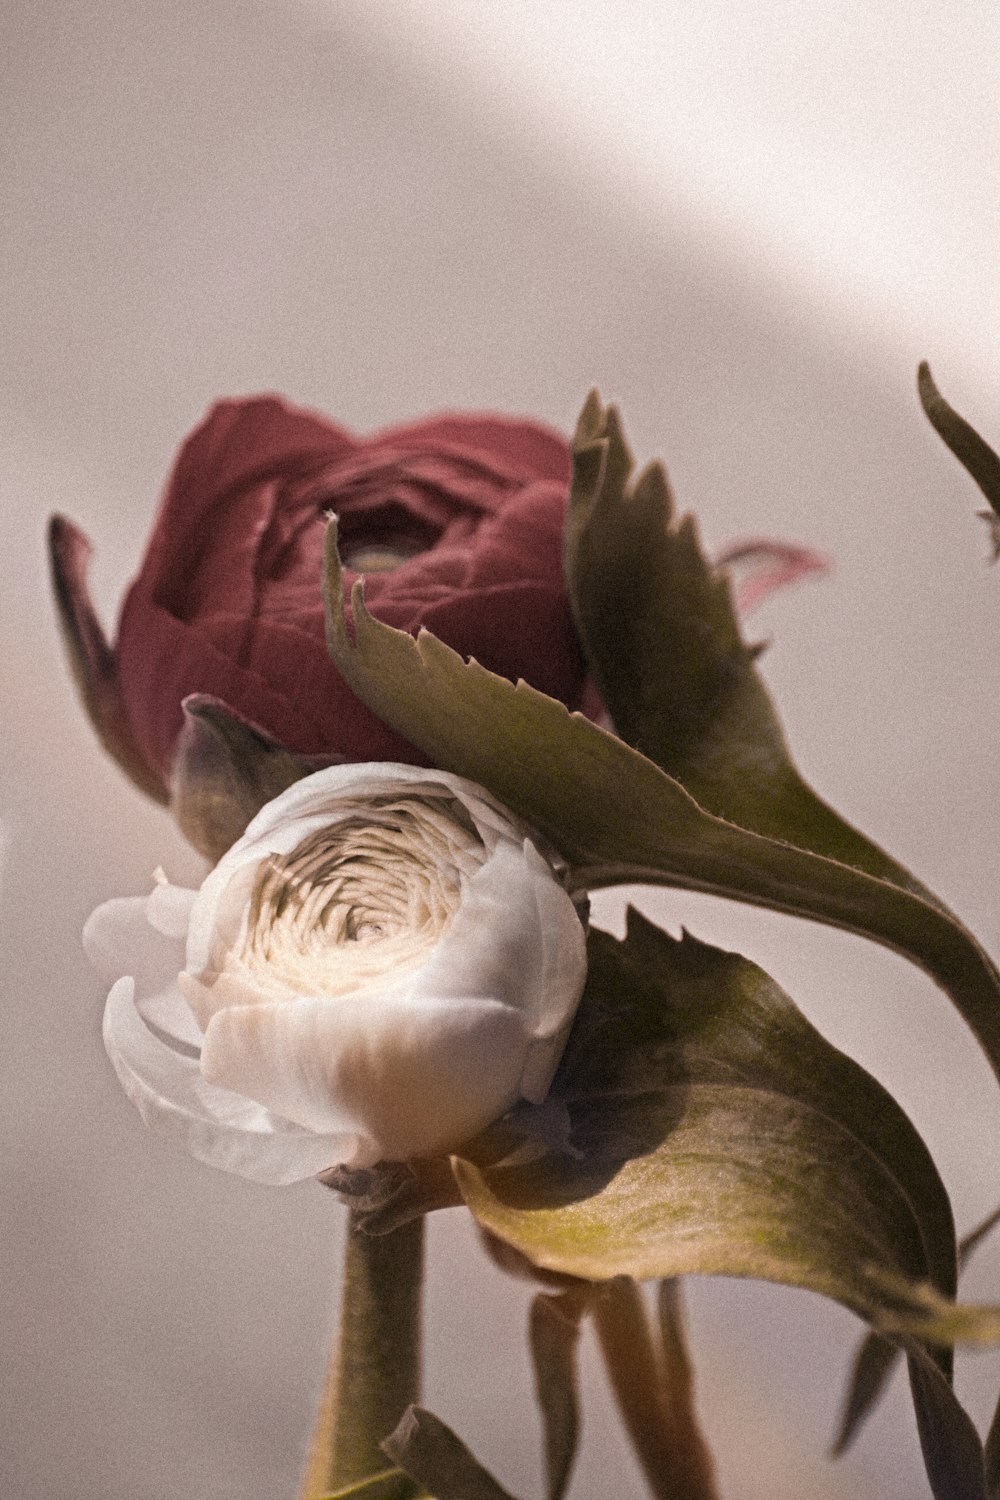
pixel 379 967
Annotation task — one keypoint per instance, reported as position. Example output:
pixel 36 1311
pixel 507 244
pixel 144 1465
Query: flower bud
pixel 381 966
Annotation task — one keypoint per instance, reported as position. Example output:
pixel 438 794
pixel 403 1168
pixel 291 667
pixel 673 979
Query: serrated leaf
pixel 433 1455
pixel 877 1357
pixel 554 1333
pixel 616 817
pixel 663 642
pixel 718 1133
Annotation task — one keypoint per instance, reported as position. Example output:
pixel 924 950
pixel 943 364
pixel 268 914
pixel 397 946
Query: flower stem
pixel 374 1369
pixel 653 1386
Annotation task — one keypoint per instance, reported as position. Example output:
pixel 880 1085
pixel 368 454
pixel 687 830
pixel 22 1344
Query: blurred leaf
pixel 652 1385
pixel 616 817
pixel 554 1334
pixel 874 1363
pixel 972 452
pixel 992 1457
pixel 717 1132
pixel 391 1484
pixel 953 1452
pixel 431 1453
pixel 663 642
pixel 678 1390
pixel 877 1357
pixel 225 770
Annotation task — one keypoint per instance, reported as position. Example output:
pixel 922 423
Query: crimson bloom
pixel 456 521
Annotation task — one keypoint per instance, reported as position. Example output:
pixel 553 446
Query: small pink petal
pixel 760 566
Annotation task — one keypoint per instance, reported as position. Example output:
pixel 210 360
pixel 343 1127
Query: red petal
pixel 515 445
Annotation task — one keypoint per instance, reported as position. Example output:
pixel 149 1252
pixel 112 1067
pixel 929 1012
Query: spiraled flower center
pixel 367 897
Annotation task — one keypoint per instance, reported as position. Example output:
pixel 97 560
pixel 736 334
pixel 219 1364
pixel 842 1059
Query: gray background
pixel 746 224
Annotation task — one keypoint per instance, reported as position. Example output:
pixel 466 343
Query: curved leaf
pixel 663 642
pixel 616 817
pixel 877 1357
pixel 715 1131
pixel 973 453
pixel 91 657
pixel 953 1452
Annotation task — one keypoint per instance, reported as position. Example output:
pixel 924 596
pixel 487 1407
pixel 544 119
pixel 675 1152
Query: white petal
pixel 414 1074
pixel 516 938
pixel 118 939
pixel 315 795
pixel 168 909
pixel 214 1124
pixel 169 1011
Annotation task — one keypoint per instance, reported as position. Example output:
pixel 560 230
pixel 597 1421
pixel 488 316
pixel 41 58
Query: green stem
pixel 374 1369
pixel 654 1390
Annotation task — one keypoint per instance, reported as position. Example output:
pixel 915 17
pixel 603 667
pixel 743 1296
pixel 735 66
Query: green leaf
pixel 663 642
pixel 616 817
pixel 391 1484
pixel 877 1357
pixel 554 1333
pixel 717 1132
pixel 953 1452
pixel 992 1457
pixel 975 455
pixel 431 1453
pixel 225 770
pixel 874 1363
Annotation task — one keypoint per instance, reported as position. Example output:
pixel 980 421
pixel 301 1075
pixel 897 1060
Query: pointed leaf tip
pixel 590 420
pixel 431 1453
pixel 973 452
pixel 91 657
pixel 225 770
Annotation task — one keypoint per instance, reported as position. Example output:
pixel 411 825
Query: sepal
pixel 225 770
pixel 91 657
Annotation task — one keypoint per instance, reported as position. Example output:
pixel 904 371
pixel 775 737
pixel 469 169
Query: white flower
pixel 383 964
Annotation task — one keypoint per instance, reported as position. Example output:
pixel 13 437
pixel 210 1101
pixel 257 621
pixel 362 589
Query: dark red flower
pixel 456 522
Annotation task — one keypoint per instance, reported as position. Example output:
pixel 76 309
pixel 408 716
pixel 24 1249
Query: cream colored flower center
pixel 367 898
